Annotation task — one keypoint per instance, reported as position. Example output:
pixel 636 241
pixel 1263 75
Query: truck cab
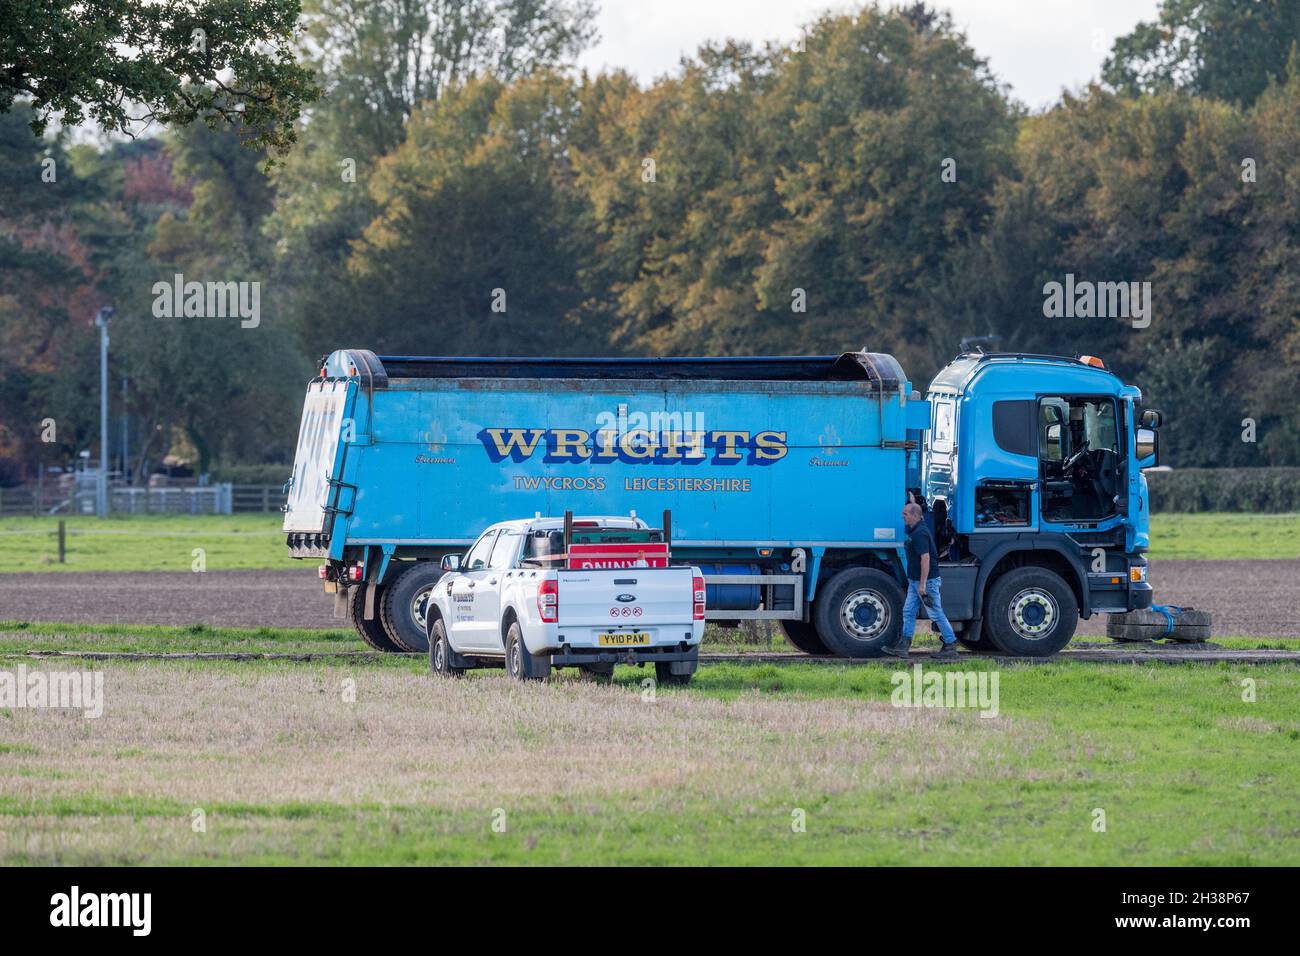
pixel 1033 471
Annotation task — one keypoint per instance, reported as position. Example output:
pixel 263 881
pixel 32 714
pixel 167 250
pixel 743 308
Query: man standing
pixel 922 587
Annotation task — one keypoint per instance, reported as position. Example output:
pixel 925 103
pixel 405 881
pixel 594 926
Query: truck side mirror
pixel 1151 418
pixel 451 562
pixel 1053 449
pixel 1148 447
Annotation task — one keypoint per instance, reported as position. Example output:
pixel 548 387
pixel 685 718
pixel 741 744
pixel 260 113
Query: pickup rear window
pixel 616 535
pixel 544 547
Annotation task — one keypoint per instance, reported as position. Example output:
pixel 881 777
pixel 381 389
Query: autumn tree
pixel 128 63
pixel 1225 49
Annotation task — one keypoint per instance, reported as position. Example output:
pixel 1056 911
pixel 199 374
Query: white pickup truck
pixel 533 596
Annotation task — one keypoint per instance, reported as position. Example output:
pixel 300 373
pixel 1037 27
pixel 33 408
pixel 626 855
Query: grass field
pixel 145 543
pixel 369 760
pixel 23 636
pixel 1225 537
pixel 337 763
pixel 19 637
pixel 245 542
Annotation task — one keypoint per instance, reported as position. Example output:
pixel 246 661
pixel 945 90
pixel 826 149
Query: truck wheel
pixel 1031 612
pixel 405 604
pixel 664 675
pixel 520 664
pixel 440 653
pixel 858 612
pixel 804 636
pixel 372 631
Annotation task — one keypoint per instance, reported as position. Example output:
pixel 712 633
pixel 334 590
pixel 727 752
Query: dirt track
pixel 1247 598
pixel 290 598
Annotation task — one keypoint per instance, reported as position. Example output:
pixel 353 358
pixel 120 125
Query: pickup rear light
pixel 548 601
pixel 699 599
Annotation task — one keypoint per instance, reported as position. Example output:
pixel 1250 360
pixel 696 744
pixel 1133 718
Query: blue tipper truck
pixel 785 478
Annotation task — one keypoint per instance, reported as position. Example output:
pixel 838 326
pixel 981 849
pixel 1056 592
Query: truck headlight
pixel 1137 574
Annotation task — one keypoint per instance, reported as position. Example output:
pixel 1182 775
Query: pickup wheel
pixel 664 675
pixel 858 612
pixel 804 636
pixel 520 664
pixel 440 652
pixel 405 604
pixel 599 673
pixel 372 631
pixel 1030 612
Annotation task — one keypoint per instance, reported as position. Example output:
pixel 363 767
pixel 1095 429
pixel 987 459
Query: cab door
pixel 466 608
pixel 1083 473
pixel 489 582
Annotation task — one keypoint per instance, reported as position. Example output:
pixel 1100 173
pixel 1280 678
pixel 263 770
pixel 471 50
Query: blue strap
pixel 1168 610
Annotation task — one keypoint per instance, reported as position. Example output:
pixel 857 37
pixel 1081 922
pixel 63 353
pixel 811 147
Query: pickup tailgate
pixel 653 605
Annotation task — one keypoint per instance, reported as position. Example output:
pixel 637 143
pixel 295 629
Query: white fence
pixel 208 500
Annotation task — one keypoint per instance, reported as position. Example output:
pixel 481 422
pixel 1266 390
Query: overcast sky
pixel 1037 46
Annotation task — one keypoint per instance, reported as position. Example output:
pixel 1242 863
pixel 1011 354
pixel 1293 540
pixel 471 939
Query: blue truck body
pixel 779 473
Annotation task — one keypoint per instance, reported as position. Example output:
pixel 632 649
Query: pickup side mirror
pixel 1151 419
pixel 1148 447
pixel 451 562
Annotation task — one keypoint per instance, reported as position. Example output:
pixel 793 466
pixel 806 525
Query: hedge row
pixel 252 474
pixel 1267 490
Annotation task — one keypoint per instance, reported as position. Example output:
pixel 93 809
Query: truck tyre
pixel 520 664
pixel 404 606
pixel 1030 612
pixel 803 635
pixel 440 652
pixel 858 612
pixel 372 631
pixel 1190 626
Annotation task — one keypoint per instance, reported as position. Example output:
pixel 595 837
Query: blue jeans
pixel 913 604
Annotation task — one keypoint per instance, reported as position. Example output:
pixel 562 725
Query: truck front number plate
pixel 624 638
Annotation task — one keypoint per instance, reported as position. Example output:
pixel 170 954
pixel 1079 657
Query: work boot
pixel 947 652
pixel 901 649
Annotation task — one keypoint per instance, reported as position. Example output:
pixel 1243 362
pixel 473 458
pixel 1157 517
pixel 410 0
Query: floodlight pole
pixel 101 486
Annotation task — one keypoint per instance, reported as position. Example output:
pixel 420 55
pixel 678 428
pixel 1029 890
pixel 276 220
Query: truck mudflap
pixel 682 662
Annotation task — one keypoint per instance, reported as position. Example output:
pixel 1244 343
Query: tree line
pixel 460 188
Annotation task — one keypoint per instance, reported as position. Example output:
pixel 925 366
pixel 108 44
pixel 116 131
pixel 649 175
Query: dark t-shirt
pixel 920 540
